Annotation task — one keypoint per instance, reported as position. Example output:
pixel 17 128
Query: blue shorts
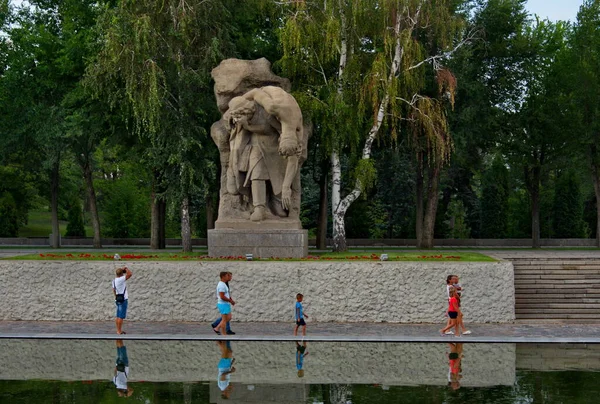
pixel 224 308
pixel 225 364
pixel 122 309
pixel 122 358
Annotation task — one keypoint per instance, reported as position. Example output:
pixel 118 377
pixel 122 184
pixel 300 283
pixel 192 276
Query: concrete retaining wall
pixel 398 292
pixel 258 362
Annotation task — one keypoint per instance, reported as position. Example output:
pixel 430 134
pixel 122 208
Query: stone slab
pixel 334 291
pixel 289 243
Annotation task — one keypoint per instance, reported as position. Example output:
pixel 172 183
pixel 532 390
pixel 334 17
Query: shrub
pixel 75 228
pixel 9 216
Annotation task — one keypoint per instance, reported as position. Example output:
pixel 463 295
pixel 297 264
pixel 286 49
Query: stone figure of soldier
pixel 266 134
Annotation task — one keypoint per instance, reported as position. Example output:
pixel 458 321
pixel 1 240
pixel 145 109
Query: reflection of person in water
pixel 454 365
pixel 225 368
pixel 300 354
pixel 122 371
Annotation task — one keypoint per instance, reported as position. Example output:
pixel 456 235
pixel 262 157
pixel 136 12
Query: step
pixel 555 316
pixel 576 307
pixel 556 276
pixel 564 267
pixel 536 298
pixel 557 281
pixel 558 312
pixel 525 290
pixel 577 270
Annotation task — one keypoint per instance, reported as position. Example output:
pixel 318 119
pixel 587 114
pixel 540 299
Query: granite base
pixel 260 243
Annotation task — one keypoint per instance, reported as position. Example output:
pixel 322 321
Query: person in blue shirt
pixel 300 354
pixel 299 315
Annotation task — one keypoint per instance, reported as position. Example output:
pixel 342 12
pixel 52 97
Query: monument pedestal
pixel 261 243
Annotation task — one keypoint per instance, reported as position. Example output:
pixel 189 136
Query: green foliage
pixel 568 207
pixel 75 228
pixel 9 216
pixel 494 200
pixel 456 216
pixel 378 220
pixel 126 209
pixel 519 215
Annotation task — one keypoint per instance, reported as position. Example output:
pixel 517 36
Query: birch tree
pixel 364 67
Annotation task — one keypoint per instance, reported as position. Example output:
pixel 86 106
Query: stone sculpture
pixel 262 143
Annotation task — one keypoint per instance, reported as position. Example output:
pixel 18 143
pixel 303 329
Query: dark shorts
pixel 453 314
pixel 300 322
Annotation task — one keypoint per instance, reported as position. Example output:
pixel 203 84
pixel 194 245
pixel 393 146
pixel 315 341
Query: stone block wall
pixel 396 292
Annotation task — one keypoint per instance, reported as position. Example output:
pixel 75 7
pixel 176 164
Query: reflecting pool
pixel 67 371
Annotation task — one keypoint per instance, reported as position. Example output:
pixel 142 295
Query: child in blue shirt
pixel 299 315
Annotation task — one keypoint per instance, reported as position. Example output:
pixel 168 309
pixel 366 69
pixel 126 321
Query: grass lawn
pixel 39 224
pixel 201 255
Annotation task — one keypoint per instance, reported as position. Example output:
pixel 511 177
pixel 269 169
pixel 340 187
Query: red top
pixel 453 304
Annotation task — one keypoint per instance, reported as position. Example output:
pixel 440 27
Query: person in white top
pixel 119 287
pixel 224 302
pixel 122 371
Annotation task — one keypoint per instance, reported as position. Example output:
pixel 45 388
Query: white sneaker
pixel 449 332
pixel 467 332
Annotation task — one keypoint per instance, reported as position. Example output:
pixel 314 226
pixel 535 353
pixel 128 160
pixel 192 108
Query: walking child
pixel 459 289
pixel 224 302
pixel 299 314
pixel 453 310
pixel 449 280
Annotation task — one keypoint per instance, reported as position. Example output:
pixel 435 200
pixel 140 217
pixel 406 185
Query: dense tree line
pixel 432 119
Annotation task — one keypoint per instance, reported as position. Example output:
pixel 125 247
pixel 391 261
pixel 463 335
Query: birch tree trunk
pixel 186 231
pixel 54 191
pixel 339 226
pixel 322 219
pixel 340 207
pixel 89 182
pixel 155 224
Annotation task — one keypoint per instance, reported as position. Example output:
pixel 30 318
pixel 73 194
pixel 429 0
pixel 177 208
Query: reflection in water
pixel 337 373
pixel 300 354
pixel 455 365
pixel 225 369
pixel 122 371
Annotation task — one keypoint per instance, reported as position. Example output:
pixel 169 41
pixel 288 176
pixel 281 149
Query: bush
pixel 75 228
pixel 9 216
pixel 494 201
pixel 456 221
pixel 126 210
pixel 568 208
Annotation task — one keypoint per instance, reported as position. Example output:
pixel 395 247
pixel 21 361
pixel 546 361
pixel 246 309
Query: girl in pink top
pixel 453 310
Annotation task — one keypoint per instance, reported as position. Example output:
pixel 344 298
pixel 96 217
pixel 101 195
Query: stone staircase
pixel 557 288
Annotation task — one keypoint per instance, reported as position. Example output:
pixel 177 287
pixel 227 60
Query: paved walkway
pixel 328 332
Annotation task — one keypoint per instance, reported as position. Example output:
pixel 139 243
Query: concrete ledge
pixel 261 243
pixel 395 292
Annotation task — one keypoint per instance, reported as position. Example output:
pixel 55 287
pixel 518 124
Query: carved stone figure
pixel 262 142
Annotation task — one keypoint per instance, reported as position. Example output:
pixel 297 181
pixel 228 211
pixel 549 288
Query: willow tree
pixel 365 67
pixel 155 60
